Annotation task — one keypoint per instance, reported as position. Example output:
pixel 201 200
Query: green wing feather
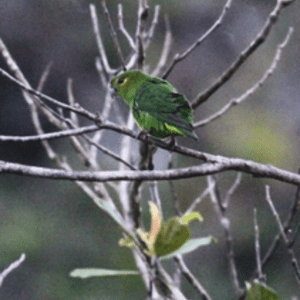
pixel 159 99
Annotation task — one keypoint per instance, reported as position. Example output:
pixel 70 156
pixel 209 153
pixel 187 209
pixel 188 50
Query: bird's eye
pixel 121 80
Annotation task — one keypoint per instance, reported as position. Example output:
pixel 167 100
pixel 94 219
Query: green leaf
pixel 190 246
pixel 258 291
pixel 172 236
pixel 186 219
pixel 93 272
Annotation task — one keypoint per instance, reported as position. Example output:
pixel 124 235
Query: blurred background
pixel 60 229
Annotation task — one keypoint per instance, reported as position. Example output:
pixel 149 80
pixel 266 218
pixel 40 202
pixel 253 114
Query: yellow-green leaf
pixel 172 235
pixel 186 219
pixel 259 291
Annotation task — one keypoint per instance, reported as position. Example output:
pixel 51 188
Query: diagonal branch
pixel 191 278
pixel 122 27
pixel 260 39
pixel 179 57
pixel 293 258
pixel 96 28
pixel 11 267
pixel 254 88
pixel 225 223
pixel 165 50
pixel 113 34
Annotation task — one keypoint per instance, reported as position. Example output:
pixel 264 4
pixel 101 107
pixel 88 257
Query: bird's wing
pixel 159 99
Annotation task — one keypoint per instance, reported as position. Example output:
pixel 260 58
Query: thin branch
pixel 261 276
pixel 44 76
pixel 165 50
pixel 30 90
pixel 179 57
pixel 143 11
pixel 150 33
pixel 293 258
pixel 172 188
pixel 232 189
pixel 71 100
pixel 73 116
pixel 110 153
pixel 105 202
pixel 56 119
pixel 96 28
pixel 113 34
pixel 49 136
pixel 198 200
pixel 106 109
pixel 253 89
pixel 259 39
pixel 31 101
pixel 146 163
pixel 122 27
pixel 191 278
pixel 11 267
pixel 125 154
pixel 225 223
pixel 295 235
pixel 287 225
pixel 221 164
pixel 101 73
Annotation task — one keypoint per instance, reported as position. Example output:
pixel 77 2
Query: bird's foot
pixel 172 143
pixel 143 134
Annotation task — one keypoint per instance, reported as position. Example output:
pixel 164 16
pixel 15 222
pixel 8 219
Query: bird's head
pixel 126 84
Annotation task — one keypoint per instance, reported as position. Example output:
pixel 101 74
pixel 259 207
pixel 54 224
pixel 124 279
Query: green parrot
pixel 156 106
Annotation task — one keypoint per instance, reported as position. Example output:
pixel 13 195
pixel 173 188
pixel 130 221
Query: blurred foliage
pixel 60 229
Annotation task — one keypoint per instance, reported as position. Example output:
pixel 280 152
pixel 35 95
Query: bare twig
pixel 30 90
pixel 55 119
pixel 293 258
pixel 125 154
pixel 113 35
pixel 259 39
pixel 165 50
pixel 178 57
pixel 29 99
pixel 123 29
pixel 287 225
pixel 103 57
pixel 232 189
pixel 44 76
pixel 191 278
pixel 71 100
pixel 261 276
pixel 149 36
pixel 143 11
pixel 173 191
pixel 295 235
pixel 101 73
pixel 273 246
pixel 49 136
pixel 253 89
pixel 106 109
pixel 225 223
pixel 110 153
pixel 11 267
pixel 198 200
